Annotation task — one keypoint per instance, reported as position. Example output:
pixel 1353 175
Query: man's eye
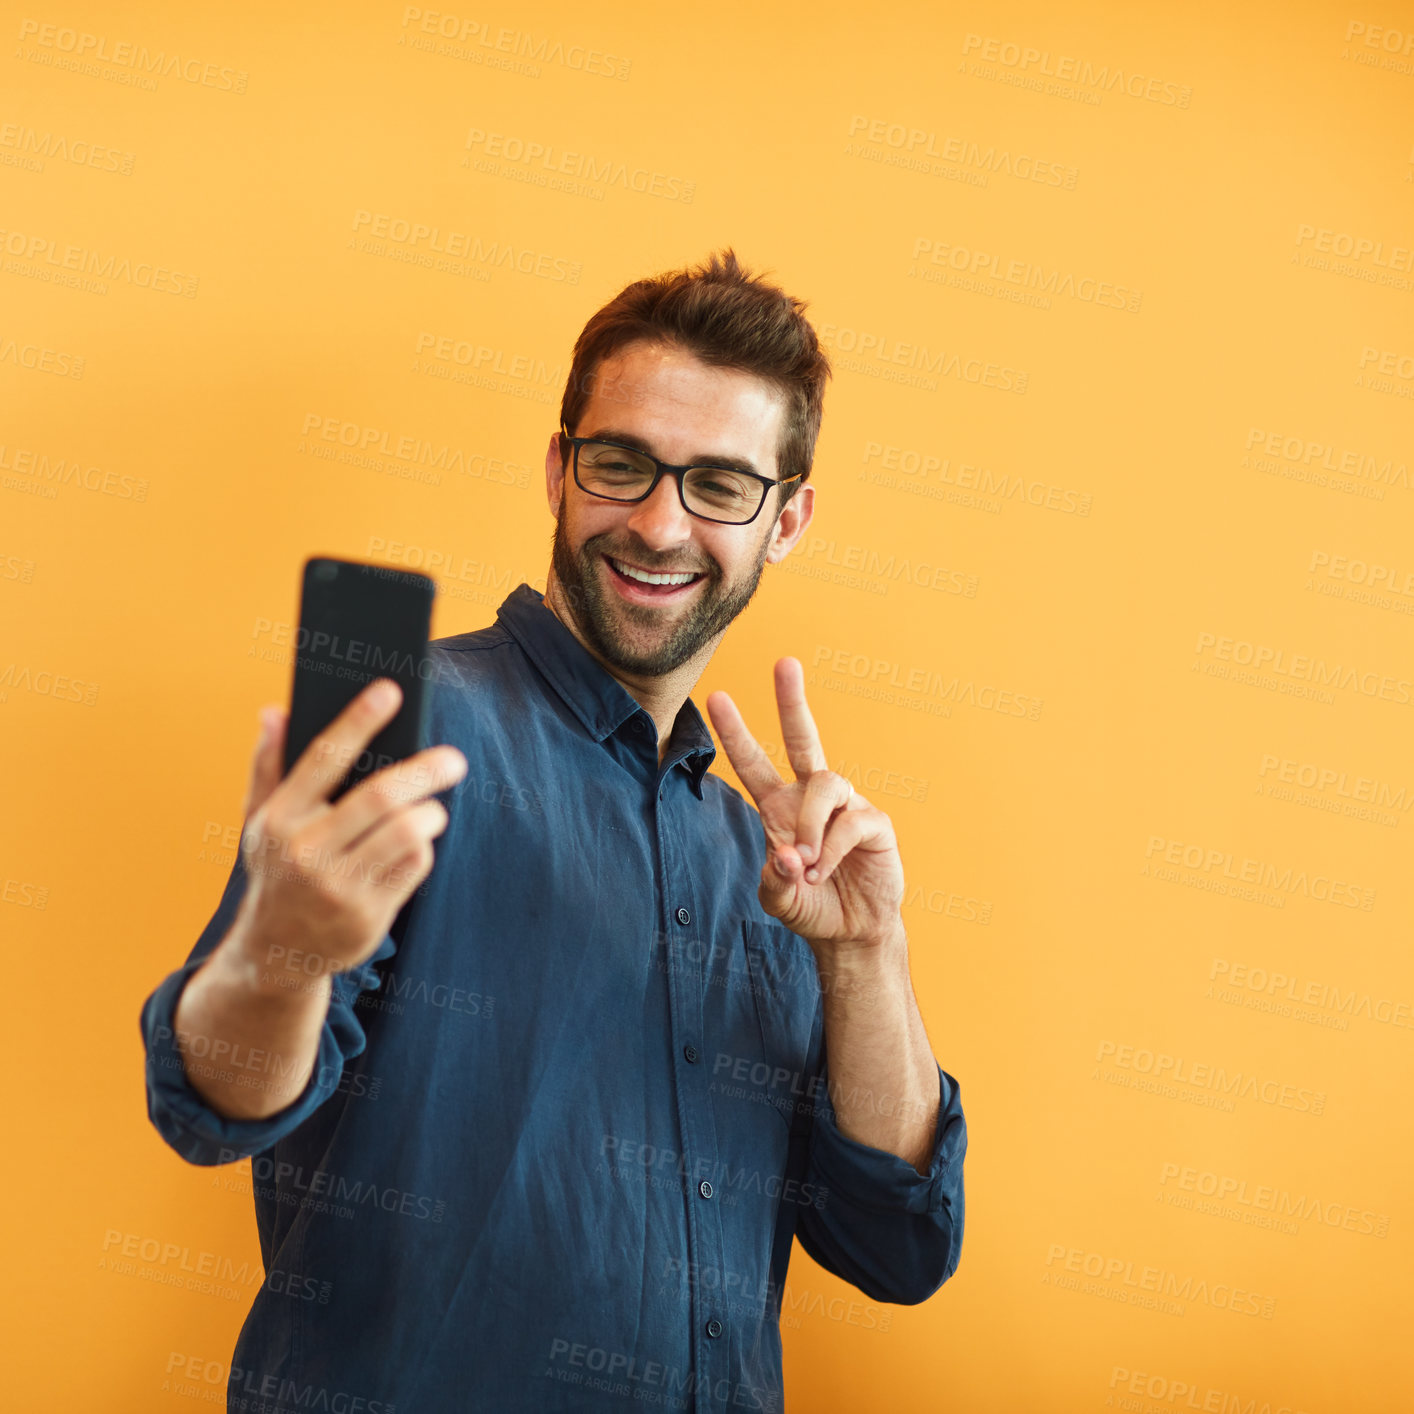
pixel 722 486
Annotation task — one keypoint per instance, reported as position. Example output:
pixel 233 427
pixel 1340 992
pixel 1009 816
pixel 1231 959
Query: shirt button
pixel 714 1328
pixel 638 725
pixel 683 917
pixel 690 1052
pixel 705 1188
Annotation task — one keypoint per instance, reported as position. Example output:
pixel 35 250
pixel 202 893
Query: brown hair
pixel 727 317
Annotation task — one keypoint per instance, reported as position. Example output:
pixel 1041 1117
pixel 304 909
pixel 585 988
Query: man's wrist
pixel 865 960
pixel 268 972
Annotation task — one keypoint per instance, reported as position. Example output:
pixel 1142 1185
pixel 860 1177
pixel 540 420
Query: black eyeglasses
pixel 716 493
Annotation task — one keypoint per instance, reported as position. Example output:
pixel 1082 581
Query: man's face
pixel 669 403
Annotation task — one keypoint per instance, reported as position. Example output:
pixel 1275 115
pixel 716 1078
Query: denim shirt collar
pixel 600 702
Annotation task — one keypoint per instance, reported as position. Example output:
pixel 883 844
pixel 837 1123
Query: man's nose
pixel 661 521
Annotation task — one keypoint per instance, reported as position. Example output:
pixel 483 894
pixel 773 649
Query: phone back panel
pixel 359 622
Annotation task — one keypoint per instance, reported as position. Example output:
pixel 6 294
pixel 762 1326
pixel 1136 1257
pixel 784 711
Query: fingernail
pixel 383 693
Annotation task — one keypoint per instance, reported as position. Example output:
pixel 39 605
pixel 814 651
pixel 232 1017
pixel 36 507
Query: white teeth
pixel 629 572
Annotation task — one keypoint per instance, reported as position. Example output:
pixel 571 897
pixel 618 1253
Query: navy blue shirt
pixel 565 1123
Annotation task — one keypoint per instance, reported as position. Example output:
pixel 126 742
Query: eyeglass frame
pixel 677 472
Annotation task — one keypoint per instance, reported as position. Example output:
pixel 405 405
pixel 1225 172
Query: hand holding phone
pixel 325 881
pixel 339 824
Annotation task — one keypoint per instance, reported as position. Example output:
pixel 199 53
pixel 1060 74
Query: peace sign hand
pixel 833 873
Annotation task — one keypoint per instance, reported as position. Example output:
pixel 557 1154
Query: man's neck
pixel 661 697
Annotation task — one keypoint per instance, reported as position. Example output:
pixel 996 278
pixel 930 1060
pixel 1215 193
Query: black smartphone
pixel 358 622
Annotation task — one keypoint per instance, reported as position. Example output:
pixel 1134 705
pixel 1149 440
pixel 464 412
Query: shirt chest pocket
pixel 785 995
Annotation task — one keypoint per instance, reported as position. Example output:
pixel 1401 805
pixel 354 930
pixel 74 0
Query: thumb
pixel 783 872
pixel 267 766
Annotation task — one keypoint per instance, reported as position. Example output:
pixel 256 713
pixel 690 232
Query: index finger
pixel 326 760
pixel 798 731
pixel 749 760
pixel 404 783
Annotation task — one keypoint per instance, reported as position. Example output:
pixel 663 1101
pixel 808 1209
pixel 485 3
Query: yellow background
pixel 1057 948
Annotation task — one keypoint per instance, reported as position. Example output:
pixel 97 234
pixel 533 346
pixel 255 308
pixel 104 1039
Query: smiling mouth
pixel 636 582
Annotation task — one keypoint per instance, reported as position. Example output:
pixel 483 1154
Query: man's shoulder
pixel 471 672
pixel 479 656
pixel 493 635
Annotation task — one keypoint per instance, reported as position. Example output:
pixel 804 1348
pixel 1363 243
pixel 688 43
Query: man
pixel 535 1129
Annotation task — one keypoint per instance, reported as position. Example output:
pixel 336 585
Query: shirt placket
pixel 687 950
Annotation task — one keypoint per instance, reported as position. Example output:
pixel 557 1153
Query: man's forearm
pixel 882 1074
pixel 248 1043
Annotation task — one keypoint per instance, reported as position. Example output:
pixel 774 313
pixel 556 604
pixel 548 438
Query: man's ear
pixel 554 474
pixel 791 523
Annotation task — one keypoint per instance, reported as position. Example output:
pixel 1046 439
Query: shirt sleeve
pixel 180 1114
pixel 878 1223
